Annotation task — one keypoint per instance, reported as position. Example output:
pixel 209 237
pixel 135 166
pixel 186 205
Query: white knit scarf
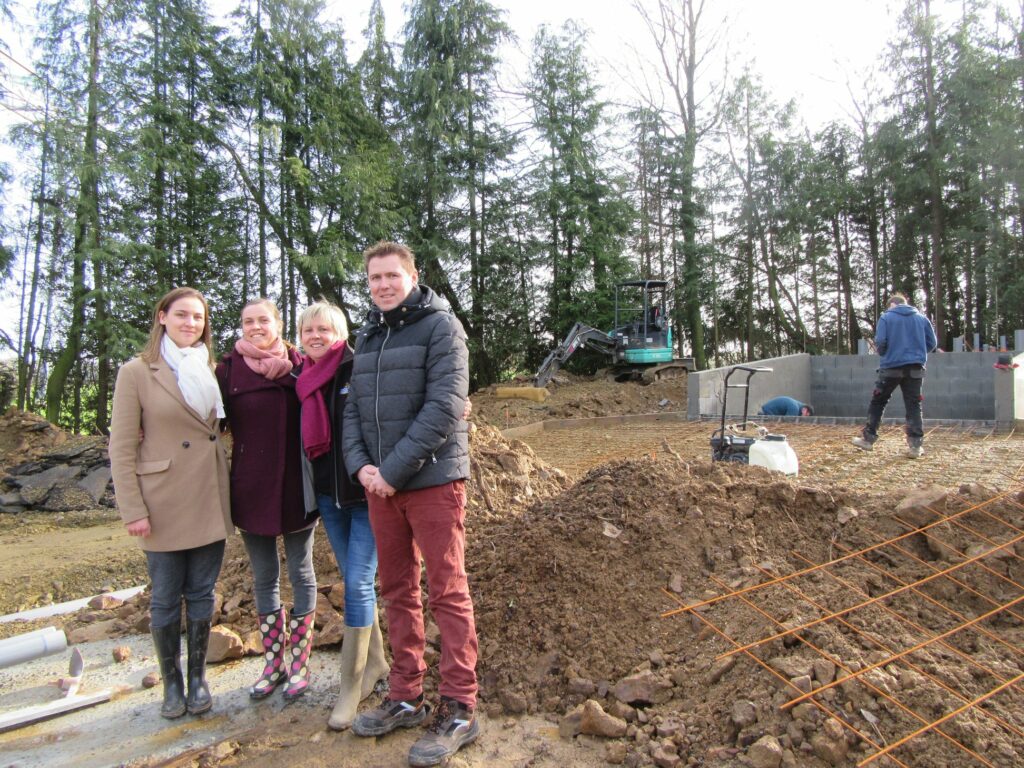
pixel 196 381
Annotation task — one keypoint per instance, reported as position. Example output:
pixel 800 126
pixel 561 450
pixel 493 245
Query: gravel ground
pixel 128 729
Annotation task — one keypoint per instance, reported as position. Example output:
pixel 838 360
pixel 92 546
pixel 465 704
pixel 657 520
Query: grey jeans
pixel 266 570
pixel 188 573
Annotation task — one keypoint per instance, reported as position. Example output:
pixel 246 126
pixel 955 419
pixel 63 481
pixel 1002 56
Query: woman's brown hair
pixel 151 352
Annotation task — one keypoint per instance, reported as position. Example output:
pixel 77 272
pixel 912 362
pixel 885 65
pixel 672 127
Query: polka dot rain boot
pixel 272 630
pixel 300 641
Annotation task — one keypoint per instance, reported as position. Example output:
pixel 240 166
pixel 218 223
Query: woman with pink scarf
pixel 257 381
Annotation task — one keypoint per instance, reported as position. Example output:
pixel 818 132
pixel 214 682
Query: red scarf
pixel 316 417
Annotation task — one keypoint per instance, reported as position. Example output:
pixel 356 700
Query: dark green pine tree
pixel 453 146
pixel 182 214
pixel 325 169
pixel 584 213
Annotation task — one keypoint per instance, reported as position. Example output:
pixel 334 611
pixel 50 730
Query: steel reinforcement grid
pixel 934 616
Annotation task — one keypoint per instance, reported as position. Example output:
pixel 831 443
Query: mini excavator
pixel 640 344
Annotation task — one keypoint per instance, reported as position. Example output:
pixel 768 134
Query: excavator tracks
pixel 677 369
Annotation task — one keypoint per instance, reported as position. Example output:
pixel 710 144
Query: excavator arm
pixel 580 335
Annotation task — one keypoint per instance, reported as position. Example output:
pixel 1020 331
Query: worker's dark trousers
pixel 910 379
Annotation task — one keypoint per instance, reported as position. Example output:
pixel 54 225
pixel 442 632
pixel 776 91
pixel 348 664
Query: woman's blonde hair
pixel 151 352
pixel 324 310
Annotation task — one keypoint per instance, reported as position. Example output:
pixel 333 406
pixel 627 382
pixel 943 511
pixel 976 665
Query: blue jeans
pixel 266 570
pixel 348 529
pixel 188 573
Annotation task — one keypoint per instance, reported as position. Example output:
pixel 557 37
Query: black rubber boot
pixel 167 641
pixel 199 699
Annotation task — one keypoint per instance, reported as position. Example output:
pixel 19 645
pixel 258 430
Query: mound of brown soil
pixel 575 397
pixel 24 436
pixel 506 476
pixel 573 587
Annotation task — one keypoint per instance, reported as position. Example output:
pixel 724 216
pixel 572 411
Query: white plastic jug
pixel 775 453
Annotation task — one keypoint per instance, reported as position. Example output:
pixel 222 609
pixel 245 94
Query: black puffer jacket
pixel 410 380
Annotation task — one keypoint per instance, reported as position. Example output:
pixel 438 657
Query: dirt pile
pixel 572 588
pixel 574 397
pixel 568 597
pixel 44 468
pixel 507 476
pixel 24 435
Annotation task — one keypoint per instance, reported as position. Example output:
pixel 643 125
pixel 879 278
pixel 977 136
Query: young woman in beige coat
pixel 171 483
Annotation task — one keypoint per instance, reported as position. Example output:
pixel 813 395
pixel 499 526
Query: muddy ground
pixel 580 540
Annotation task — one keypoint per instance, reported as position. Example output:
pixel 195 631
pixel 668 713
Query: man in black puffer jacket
pixel 405 441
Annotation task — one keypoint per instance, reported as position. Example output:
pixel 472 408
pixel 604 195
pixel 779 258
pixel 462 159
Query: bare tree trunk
pixel 165 277
pixel 261 157
pixel 675 37
pixel 845 293
pixel 815 298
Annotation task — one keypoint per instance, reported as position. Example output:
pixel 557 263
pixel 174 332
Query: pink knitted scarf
pixel 271 363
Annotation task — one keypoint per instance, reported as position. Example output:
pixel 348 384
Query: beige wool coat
pixel 177 475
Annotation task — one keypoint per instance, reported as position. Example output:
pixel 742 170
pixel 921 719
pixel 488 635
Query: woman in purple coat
pixel 257 381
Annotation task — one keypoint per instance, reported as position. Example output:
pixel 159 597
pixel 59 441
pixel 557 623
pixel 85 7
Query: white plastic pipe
pixel 32 645
pixel 57 609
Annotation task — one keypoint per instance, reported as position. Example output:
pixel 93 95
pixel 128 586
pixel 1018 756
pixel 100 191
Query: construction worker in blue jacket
pixel 904 338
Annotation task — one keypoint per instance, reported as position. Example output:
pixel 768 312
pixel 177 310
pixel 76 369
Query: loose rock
pixel 594 721
pixel 224 644
pixel 766 752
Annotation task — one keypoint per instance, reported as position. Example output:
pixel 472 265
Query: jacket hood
pixel 903 309
pixel 420 302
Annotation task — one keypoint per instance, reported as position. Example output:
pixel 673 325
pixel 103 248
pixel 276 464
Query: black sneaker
pixel 453 727
pixel 390 715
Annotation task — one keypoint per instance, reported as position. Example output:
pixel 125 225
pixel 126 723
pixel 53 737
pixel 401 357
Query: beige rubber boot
pixel 353 663
pixel 376 662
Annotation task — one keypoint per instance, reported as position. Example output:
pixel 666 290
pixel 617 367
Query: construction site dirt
pixel 638 604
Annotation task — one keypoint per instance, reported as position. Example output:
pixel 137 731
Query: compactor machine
pixel 747 442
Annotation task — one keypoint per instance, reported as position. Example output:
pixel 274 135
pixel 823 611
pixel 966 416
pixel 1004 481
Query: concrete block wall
pixel 959 386
pixel 841 385
pixel 790 376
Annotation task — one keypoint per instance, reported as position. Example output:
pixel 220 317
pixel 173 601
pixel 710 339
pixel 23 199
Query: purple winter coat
pixel 266 469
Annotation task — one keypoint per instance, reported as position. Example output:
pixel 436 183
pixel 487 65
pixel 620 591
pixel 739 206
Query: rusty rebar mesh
pixel 915 640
